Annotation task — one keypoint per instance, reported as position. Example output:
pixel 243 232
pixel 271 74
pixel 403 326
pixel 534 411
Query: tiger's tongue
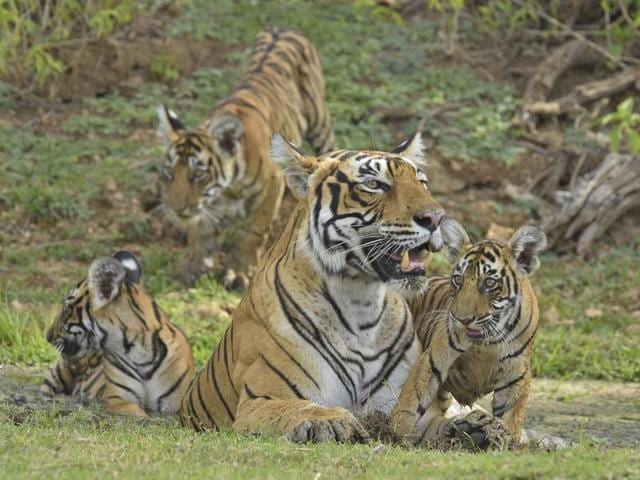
pixel 411 260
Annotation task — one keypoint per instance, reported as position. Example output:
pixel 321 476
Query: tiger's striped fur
pixel 113 327
pixel 322 334
pixel 82 378
pixel 221 174
pixel 477 328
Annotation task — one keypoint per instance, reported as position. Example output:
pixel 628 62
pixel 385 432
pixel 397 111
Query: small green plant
pixel 164 69
pixel 625 126
pixel 33 31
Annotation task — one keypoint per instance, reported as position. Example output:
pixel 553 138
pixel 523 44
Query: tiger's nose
pixel 465 321
pixel 429 219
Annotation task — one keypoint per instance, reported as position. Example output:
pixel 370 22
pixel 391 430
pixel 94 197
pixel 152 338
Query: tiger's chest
pixel 475 374
pixel 364 351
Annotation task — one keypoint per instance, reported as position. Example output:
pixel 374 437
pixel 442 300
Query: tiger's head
pixel 77 330
pixel 200 165
pixel 490 280
pixel 370 212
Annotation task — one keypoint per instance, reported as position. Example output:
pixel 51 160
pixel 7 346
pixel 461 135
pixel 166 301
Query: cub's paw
pixel 191 270
pixel 237 282
pixel 476 430
pixel 329 428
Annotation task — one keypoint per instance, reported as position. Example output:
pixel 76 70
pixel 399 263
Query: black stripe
pixel 291 385
pixel 520 350
pixel 435 370
pixel 170 390
pixel 212 374
pixel 512 382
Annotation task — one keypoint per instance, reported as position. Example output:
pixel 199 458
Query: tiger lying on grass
pixel 322 334
pixel 477 329
pixel 221 175
pixel 117 345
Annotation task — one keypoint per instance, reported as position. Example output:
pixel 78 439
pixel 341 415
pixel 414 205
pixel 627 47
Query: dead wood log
pixel 598 200
pixel 586 93
pixel 571 54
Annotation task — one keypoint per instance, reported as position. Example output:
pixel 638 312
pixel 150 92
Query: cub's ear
pixel 413 149
pixel 168 125
pixel 132 267
pixel 105 278
pixel 297 167
pixel 454 238
pixel 525 245
pixel 226 131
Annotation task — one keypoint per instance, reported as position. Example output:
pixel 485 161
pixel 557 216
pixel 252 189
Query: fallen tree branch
pixel 586 93
pixel 598 200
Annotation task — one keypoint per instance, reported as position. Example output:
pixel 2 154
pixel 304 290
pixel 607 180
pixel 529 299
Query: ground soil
pixel 604 413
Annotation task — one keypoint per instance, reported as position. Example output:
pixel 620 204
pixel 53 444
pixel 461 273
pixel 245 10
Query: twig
pixel 576 35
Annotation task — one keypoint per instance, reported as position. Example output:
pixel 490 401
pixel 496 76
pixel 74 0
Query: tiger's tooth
pixel 405 262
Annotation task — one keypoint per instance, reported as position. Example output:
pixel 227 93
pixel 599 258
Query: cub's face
pixel 199 165
pixel 488 281
pixel 371 212
pixel 85 320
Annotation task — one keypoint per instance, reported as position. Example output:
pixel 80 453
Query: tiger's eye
pixel 490 283
pixel 373 184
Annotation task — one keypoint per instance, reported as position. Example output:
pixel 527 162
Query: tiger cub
pixel 323 333
pixel 82 377
pixel 220 174
pixel 477 329
pixel 140 361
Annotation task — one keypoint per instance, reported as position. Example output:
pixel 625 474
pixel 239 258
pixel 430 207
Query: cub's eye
pixel 373 184
pixel 456 279
pixel 489 283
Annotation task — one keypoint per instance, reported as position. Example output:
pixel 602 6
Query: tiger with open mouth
pixel 323 334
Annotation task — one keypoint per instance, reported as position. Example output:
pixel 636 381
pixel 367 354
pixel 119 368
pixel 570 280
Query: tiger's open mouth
pixel 409 263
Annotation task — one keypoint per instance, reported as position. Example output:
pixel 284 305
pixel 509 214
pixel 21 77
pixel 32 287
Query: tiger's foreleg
pixel 274 403
pixel 509 403
pixel 119 406
pixel 58 379
pixel 124 396
pixel 418 411
pixel 200 250
pixel 299 421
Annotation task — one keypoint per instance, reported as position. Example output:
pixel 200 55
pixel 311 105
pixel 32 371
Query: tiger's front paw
pixel 191 270
pixel 237 282
pixel 341 427
pixel 476 430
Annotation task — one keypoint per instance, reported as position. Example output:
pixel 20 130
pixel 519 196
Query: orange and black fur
pixel 220 175
pixel 323 334
pixel 117 345
pixel 477 328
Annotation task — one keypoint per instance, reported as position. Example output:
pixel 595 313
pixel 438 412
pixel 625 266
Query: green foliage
pixel 625 126
pixel 164 69
pixel 22 338
pixel 32 30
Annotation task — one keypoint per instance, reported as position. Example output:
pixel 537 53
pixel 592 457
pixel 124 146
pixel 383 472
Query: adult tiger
pixel 322 334
pixel 146 362
pixel 221 174
pixel 477 329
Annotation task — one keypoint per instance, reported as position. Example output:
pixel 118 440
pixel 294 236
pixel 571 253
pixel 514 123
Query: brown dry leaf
pixel 592 312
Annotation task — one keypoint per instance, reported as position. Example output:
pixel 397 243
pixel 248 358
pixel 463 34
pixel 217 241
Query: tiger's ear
pixel 297 166
pixel 105 278
pixel 414 149
pixel 132 267
pixel 226 131
pixel 168 125
pixel 525 246
pixel 454 238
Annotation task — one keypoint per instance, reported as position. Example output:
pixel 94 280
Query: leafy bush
pixel 34 29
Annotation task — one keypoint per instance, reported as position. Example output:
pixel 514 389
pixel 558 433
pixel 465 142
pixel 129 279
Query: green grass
pixel 82 445
pixel 70 193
